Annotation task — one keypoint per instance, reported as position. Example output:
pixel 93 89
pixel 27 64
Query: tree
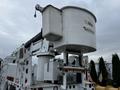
pixel 103 72
pixel 116 70
pixel 93 72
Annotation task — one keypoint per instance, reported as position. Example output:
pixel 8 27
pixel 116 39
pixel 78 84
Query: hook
pixel 35 14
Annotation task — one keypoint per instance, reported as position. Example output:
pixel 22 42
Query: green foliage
pixel 116 70
pixel 93 72
pixel 103 71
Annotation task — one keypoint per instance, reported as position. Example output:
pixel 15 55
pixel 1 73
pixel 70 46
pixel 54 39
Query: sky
pixel 18 25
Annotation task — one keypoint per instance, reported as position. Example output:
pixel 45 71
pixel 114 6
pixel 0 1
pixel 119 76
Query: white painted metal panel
pixel 78 30
pixel 52 26
pixel 12 70
pixel 51 71
pixel 40 69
